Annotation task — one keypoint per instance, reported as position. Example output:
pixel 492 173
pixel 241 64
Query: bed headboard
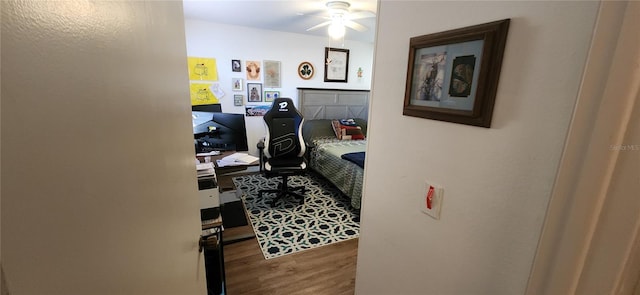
pixel 318 103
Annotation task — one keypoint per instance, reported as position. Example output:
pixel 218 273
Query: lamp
pixel 336 29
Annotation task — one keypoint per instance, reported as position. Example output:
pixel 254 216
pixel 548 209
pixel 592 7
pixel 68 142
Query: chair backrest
pixel 284 130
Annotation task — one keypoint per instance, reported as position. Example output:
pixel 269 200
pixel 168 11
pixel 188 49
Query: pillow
pixel 347 132
pixel 348 122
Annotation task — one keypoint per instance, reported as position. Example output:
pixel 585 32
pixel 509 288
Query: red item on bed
pixel 344 132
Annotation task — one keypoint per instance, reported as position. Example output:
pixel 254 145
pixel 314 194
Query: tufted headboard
pixel 318 103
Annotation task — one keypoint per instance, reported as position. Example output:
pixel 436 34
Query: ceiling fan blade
pixel 361 14
pixel 319 26
pixel 354 25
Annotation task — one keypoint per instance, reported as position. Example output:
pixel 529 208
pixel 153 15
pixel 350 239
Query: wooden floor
pixel 329 269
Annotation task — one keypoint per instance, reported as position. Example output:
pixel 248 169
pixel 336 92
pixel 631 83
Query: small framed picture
pixel 238 100
pixel 305 70
pixel 236 84
pixel 452 76
pixel 253 70
pixel 336 68
pixel 235 65
pixel 254 92
pixel 256 110
pixel 269 96
pixel 271 74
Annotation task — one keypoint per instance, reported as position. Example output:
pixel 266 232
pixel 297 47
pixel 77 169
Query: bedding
pixel 357 158
pixel 326 153
pixel 347 129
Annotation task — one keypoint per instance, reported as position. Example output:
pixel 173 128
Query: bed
pixel 327 154
pixel 321 109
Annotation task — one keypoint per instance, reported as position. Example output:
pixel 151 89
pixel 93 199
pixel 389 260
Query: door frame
pixel 602 115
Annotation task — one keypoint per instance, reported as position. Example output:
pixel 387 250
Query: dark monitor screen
pixel 219 131
pixel 213 108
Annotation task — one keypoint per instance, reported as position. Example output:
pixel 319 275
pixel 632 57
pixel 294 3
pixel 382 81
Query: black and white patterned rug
pixel 324 218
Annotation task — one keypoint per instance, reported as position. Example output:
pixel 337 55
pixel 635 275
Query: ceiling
pixel 294 16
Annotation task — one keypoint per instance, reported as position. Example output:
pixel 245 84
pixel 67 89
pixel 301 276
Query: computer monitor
pixel 219 131
pixel 212 108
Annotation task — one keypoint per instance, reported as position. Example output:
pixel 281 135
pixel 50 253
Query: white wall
pixel 226 42
pixel 497 181
pixel 99 192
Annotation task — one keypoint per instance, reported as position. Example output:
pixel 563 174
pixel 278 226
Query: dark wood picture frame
pixel 336 65
pixel 453 76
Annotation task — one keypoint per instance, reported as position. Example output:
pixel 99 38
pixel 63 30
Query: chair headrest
pixel 283 107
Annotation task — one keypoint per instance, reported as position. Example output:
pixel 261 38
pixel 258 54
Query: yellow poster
pixel 201 68
pixel 201 94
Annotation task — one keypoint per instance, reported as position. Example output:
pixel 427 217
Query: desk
pixel 225 183
pixel 211 240
pixel 227 169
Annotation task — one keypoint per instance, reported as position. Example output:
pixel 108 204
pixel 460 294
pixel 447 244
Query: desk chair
pixel 283 148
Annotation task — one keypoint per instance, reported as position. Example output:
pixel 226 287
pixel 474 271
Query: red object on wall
pixel 430 196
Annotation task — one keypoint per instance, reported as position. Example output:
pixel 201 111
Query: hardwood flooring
pixel 329 269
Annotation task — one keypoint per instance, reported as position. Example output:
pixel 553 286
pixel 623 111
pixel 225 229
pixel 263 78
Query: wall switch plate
pixel 431 200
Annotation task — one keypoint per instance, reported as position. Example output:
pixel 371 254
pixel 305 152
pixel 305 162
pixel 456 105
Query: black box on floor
pixel 209 213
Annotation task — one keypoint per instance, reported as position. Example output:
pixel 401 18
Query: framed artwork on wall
pixel 235 65
pixel 256 110
pixel 271 74
pixel 253 70
pixel 236 84
pixel 254 92
pixel 453 75
pixel 269 96
pixel 238 100
pixel 336 64
pixel 306 70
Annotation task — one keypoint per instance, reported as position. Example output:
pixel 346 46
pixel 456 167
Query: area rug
pixel 323 219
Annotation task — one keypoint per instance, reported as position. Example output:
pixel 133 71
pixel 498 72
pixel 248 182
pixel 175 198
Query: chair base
pixel 283 191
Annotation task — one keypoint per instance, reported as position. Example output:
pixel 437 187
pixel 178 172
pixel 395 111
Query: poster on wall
pixel 201 68
pixel 201 94
pixel 257 110
pixel 272 74
pixel 216 90
pixel 253 70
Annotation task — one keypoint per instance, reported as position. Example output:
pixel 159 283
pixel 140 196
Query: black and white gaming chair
pixel 282 153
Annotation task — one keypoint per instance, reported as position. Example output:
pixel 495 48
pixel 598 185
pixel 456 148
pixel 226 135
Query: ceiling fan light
pixel 336 30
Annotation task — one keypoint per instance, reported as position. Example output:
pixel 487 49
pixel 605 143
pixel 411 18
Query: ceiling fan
pixel 340 17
